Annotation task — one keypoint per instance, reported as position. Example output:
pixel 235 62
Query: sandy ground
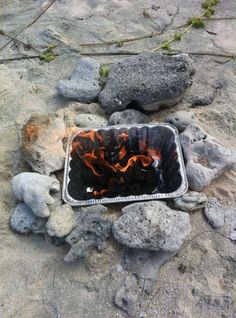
pixel 34 281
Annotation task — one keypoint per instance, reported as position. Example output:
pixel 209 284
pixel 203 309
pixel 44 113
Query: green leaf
pixel 196 22
pixel 48 55
pixel 104 71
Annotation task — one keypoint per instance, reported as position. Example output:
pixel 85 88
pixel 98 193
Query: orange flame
pixel 122 152
pixel 95 159
pixel 145 161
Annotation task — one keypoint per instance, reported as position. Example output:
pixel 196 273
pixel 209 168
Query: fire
pixel 111 161
pixel 144 160
pixel 122 153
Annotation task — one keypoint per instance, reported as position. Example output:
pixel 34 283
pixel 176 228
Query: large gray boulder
pixel 23 220
pixel 206 159
pixel 83 83
pixel 152 226
pixel 35 190
pixel 148 81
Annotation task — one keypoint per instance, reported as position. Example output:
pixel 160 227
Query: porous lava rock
pixel 24 221
pixel 91 231
pixel 147 81
pixel 152 226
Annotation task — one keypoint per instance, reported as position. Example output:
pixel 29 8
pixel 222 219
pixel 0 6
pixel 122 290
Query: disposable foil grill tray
pixel 124 163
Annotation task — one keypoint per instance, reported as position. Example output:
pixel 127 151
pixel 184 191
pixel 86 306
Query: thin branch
pixel 172 39
pixel 28 25
pixel 220 18
pixel 25 45
pixel 122 41
pixel 29 57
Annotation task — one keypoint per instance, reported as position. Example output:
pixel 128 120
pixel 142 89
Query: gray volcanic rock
pixel 128 117
pixel 181 119
pixel 90 120
pixel 152 226
pixel 23 220
pixel 190 201
pixel 206 158
pixel 34 189
pixel 61 221
pixel 92 230
pixel 83 83
pixel 148 80
pixel 215 213
pixel 41 144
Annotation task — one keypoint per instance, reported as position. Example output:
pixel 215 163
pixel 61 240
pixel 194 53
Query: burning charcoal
pixel 129 162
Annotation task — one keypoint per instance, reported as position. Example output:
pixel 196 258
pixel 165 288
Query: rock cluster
pixel 151 232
